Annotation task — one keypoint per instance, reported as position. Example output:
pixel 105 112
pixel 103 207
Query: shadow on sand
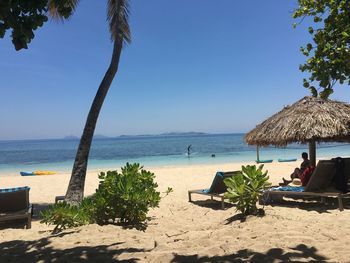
pixel 312 204
pixel 300 253
pixel 308 204
pixel 213 204
pixel 41 251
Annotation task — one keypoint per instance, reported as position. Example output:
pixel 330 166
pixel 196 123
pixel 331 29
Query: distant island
pixel 70 137
pixel 97 136
pixel 166 134
pixel 100 136
pixel 183 133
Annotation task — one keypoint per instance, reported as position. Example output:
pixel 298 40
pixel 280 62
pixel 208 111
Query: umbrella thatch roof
pixel 309 119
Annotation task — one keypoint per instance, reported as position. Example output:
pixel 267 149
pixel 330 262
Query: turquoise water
pixel 58 155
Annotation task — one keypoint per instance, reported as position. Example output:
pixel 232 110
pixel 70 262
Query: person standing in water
pixel 189 150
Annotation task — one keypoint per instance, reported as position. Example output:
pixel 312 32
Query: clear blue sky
pixel 192 66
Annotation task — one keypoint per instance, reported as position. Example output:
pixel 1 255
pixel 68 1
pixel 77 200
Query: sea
pixel 160 150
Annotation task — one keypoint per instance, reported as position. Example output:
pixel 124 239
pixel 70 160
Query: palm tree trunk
pixel 75 191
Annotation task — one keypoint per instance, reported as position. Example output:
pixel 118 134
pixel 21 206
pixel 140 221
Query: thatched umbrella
pixel 309 120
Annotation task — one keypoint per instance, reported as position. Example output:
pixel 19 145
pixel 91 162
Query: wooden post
pixel 257 153
pixel 340 202
pixel 312 152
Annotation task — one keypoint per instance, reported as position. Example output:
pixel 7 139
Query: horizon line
pixel 101 137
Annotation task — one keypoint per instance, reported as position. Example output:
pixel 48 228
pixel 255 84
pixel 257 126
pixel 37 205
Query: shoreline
pixel 101 167
pixel 16 172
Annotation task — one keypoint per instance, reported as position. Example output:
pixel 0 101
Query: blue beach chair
pixel 286 160
pixel 217 188
pixel 264 161
pixel 14 205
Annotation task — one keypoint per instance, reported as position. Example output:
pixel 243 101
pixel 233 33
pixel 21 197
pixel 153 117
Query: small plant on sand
pixel 64 216
pixel 245 188
pixel 167 192
pixel 126 196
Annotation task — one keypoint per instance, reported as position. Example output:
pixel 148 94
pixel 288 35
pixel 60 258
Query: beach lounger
pixel 287 160
pixel 264 161
pixel 217 188
pixel 14 205
pixel 319 185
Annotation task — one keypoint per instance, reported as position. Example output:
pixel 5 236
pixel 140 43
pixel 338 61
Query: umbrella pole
pixel 257 153
pixel 312 152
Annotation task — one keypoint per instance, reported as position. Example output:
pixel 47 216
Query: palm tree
pixel 117 16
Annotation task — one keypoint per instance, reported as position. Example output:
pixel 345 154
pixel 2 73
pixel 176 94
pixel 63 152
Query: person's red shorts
pixel 306 175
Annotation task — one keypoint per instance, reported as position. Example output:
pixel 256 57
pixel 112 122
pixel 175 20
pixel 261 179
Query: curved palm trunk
pixel 75 191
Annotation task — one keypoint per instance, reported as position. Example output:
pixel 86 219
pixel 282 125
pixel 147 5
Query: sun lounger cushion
pixel 218 186
pixel 14 205
pixel 15 189
pixel 322 176
pixel 340 179
pixel 288 188
pixel 347 167
pixel 14 199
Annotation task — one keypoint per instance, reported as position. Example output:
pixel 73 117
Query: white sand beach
pixel 187 89
pixel 180 231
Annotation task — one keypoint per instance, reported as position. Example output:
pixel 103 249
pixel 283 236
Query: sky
pixel 191 66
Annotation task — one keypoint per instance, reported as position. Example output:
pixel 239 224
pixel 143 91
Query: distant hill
pixel 73 137
pixel 166 134
pixel 70 137
pixel 141 135
pixel 182 133
pixel 100 136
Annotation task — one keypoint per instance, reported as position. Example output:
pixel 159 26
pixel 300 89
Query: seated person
pixel 299 171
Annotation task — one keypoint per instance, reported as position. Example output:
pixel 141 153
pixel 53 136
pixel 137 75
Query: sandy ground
pixel 179 231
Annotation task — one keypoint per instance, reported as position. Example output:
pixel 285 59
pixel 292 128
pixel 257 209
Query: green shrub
pixel 245 188
pixel 64 216
pixel 126 196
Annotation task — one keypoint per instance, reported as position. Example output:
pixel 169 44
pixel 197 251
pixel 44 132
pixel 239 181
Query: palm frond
pixel 118 19
pixel 61 9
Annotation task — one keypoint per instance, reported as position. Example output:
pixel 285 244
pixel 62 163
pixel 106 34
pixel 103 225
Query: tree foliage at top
pixel 328 58
pixel 23 17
